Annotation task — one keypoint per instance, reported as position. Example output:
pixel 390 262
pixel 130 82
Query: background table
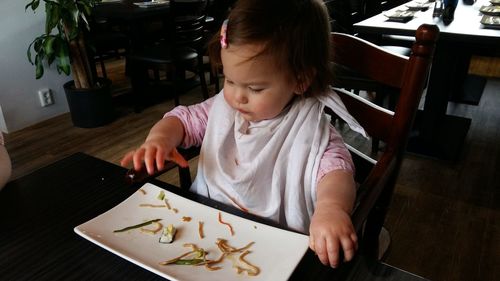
pixel 127 10
pixel 441 135
pixel 140 24
pixel 39 211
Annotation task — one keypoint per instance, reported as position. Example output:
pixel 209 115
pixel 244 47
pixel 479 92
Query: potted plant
pixel 63 44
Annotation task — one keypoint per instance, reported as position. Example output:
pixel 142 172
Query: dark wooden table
pixel 439 134
pixel 139 24
pixel 39 211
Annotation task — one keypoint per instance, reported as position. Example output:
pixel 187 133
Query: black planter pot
pixel 90 108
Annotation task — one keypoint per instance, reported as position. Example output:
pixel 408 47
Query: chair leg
pixel 179 77
pixel 184 177
pixel 138 79
pixel 376 218
pixel 103 67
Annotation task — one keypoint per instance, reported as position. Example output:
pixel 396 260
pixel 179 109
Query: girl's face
pixel 254 85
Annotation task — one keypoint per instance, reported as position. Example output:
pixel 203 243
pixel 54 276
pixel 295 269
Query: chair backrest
pixel 377 177
pixel 345 13
pixel 188 22
pixel 340 14
pixel 188 7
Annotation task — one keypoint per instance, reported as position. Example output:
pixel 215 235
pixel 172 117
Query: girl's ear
pixel 304 80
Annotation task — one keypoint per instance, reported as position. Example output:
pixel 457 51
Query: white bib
pixel 268 168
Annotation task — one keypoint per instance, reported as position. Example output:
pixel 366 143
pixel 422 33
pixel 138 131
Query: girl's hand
pixel 331 229
pixel 160 145
pixel 153 154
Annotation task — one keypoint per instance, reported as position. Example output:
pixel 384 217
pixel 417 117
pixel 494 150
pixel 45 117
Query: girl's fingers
pixel 333 252
pixel 153 159
pixel 160 159
pixel 321 251
pixel 349 248
pixel 311 243
pixel 127 158
pixel 354 239
pixel 139 159
pixel 150 160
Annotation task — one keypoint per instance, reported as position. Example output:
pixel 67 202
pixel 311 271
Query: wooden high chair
pixel 377 177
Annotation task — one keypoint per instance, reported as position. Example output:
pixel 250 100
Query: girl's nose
pixel 240 96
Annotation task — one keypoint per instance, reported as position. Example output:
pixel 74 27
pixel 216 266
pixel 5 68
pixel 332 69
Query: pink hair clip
pixel 223 35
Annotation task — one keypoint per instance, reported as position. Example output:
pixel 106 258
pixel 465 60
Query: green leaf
pixel 51 59
pixel 39 67
pixel 53 16
pixel 64 21
pixel 37 47
pixel 48 45
pixel 64 62
pixel 33 4
pixel 28 52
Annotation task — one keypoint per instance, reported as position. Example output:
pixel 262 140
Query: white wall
pixel 19 101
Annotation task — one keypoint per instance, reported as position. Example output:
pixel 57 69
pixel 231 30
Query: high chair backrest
pixel 407 74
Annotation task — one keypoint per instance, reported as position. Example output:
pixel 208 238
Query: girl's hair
pixel 295 33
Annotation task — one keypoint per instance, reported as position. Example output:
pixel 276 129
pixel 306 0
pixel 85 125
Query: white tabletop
pixel 466 25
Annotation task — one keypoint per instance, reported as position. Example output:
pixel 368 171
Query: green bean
pixel 188 261
pixel 136 226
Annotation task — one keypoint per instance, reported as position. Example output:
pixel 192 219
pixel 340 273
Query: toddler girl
pixel 267 146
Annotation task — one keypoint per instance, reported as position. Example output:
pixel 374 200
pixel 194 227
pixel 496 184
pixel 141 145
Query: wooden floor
pixel 444 220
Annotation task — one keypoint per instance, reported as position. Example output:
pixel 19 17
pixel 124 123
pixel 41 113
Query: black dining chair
pixel 107 40
pixel 217 12
pixel 173 65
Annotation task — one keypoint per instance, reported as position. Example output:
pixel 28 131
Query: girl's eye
pixel 255 90
pixel 229 82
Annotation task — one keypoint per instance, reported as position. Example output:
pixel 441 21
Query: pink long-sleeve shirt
pixel 194 118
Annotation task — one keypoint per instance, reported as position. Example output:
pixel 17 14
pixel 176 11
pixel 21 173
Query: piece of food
pixel 178 159
pixel 167 204
pixel 196 256
pixel 188 261
pixel 251 269
pixel 136 226
pixel 200 230
pixel 161 195
pixel 168 234
pixel 151 205
pixel 155 230
pixel 228 225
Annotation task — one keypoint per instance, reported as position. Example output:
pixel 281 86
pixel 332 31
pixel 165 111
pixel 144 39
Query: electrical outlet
pixel 46 97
